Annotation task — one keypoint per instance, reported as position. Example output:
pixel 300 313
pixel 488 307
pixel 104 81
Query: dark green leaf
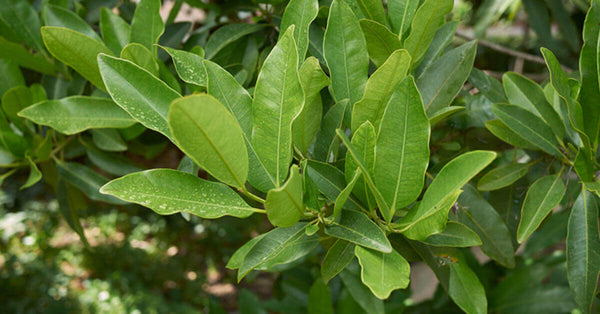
pixel 502 176
pixel 359 229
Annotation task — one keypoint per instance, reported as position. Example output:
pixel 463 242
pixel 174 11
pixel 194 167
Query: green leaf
pixel 76 114
pixel 141 56
pixel 361 294
pixel 34 174
pixel 503 132
pixel 345 51
pixel 443 37
pixel 529 126
pixel 443 114
pixel 228 34
pixel 278 98
pixel 115 31
pixel 359 229
pixel 23 22
pixel 11 75
pixel 189 66
pixel 15 100
pixel 401 14
pixel 327 144
pixel 15 144
pixel 284 205
pixel 382 272
pixel 434 224
pixel 340 201
pixel 236 260
pixel 86 180
pixel 583 250
pixel 24 58
pixel 588 67
pixel 236 99
pixel 455 235
pixel 338 256
pixel 147 25
pixel 428 18
pixel 402 148
pixel 108 140
pixel 466 289
pixel 168 192
pixel 330 181
pixel 59 17
pixel 319 298
pixel 379 89
pixel 476 213
pixel 502 176
pixel 368 9
pixel 489 12
pixel 76 50
pixel 306 125
pixel 300 13
pixel 490 87
pixel 381 42
pixel 442 81
pixel 453 176
pixel 278 246
pixel 137 91
pixel 111 163
pixel 363 141
pixel 527 94
pixel 542 197
pixel 205 131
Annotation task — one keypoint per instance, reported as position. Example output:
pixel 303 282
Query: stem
pixel 253 197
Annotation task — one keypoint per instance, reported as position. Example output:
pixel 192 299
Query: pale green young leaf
pixel 502 176
pixel 236 99
pixel 300 13
pixel 345 51
pixel 453 176
pixel 428 18
pixel 284 205
pixel 56 16
pixel 228 34
pixel 35 175
pixel 189 66
pixel 442 81
pixel 278 246
pixel 338 256
pixel 108 140
pixel 137 91
pixel 465 288
pixel 401 14
pixel 115 31
pixel 379 89
pixel 476 213
pixel 147 25
pixel 357 228
pixel 455 235
pixel 140 56
pixel 76 114
pixel 436 222
pixel 86 180
pixel 583 250
pixel 278 99
pixel 529 126
pixel 77 51
pixel 382 272
pixel 168 192
pixel 306 125
pixel 340 201
pixel 23 21
pixel 402 148
pixel 381 42
pixel 542 197
pixel 209 134
pixel 503 132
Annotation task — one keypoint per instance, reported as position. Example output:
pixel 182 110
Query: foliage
pixel 357 128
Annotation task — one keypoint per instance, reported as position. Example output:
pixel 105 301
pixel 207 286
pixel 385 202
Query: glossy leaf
pixel 443 37
pixel 345 51
pixel 108 140
pixel 588 66
pixel 363 141
pixel 502 176
pixel 330 181
pixel 34 174
pixel 455 235
pixel 76 50
pixel 466 289
pixel 340 201
pixel 141 56
pixel 453 176
pixel 443 114
pixel 338 256
pixel 583 250
pixel 434 224
pixel 86 180
pixel 490 87
pixel 235 261
pixel 147 25
pixel 326 144
pixel 530 127
pixel 476 213
pixel 300 13
pixel 284 205
pixel 401 14
pixel 382 272
pixel 381 42
pixel 442 81
pixel 428 18
pixel 359 229
pixel 205 131
pixel 503 132
pixel 306 125
pixel 542 197
pixel 59 17
pixel 402 148
pixel 278 98
pixel 368 9
pixel 226 35
pixel 379 89
pixel 115 31
pixel 138 92
pixel 168 191
pixel 189 66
